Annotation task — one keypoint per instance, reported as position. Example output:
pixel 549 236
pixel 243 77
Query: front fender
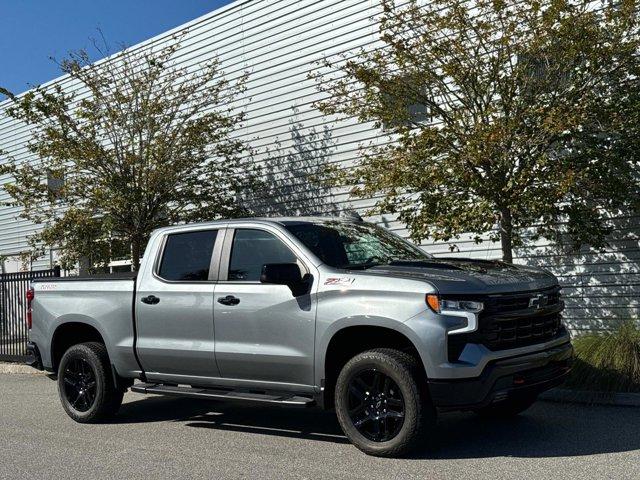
pixel 333 328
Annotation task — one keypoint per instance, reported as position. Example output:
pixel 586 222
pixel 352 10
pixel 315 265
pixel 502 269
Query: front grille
pixel 512 321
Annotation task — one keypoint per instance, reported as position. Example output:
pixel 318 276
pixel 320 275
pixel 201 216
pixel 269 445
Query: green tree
pixel 128 145
pixel 520 115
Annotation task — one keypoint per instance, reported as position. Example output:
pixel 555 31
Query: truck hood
pixel 463 276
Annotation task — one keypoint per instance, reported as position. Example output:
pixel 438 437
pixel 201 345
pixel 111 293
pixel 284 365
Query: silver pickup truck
pixel 331 312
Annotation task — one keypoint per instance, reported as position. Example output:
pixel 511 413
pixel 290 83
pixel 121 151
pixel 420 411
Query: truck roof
pixel 293 220
pixel 267 220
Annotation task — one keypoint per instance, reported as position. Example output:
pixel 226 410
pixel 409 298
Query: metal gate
pixel 13 312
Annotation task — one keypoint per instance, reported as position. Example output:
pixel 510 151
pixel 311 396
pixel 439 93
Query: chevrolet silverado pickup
pixel 331 312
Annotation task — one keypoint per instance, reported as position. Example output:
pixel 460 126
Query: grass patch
pixel 608 362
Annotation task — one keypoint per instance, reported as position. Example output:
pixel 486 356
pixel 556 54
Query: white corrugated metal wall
pixel 277 42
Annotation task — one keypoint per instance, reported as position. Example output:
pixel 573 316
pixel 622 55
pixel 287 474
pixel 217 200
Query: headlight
pixel 462 305
pixel 438 305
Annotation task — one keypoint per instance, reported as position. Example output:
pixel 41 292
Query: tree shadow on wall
pixel 600 288
pixel 293 173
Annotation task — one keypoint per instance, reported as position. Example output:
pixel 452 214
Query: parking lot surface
pixel 156 437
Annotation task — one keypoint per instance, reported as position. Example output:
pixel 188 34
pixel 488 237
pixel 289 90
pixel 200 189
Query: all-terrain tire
pixel 404 371
pixel 85 368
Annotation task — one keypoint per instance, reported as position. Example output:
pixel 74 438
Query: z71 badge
pixel 343 281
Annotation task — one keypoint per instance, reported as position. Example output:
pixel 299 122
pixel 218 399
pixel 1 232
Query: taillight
pixel 30 296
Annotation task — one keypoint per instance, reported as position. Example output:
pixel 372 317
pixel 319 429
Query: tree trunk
pixel 506 235
pixel 136 252
pixel 84 265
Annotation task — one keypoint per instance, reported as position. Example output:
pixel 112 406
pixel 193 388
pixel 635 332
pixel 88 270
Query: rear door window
pixel 187 256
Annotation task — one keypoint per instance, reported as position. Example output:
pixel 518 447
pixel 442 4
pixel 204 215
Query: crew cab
pixel 327 312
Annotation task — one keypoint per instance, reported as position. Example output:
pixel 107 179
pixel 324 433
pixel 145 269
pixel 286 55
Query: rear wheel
pixel 381 403
pixel 85 384
pixel 507 408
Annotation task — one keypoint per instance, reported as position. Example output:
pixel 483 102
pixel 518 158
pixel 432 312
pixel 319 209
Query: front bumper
pixel 501 379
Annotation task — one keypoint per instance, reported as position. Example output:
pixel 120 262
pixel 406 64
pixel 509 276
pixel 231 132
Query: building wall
pixel 277 42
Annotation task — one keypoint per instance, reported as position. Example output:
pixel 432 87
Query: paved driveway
pixel 156 437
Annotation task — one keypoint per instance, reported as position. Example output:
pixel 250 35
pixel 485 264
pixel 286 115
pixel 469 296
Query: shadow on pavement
pixel 545 430
pixel 293 422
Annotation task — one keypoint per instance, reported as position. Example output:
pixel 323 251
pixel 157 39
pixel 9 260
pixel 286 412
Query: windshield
pixel 354 245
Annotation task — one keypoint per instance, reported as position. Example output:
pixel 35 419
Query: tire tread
pixel 407 367
pixel 110 399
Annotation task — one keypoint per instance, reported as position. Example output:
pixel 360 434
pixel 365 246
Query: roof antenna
pixel 351 215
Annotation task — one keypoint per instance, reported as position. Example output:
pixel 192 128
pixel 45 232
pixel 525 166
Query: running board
pixel 279 398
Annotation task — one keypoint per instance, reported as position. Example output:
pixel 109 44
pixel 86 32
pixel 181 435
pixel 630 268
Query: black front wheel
pixel 376 405
pixel 85 384
pixel 382 404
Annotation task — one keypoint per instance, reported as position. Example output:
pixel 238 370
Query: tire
pixel 507 408
pixel 377 424
pixel 85 384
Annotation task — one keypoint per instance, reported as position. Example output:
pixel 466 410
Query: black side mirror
pixel 281 274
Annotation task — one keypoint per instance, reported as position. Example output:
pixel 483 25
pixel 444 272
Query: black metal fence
pixel 13 312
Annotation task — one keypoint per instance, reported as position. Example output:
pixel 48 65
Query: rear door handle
pixel 150 300
pixel 229 300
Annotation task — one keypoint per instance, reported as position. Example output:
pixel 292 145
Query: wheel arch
pixel 348 338
pixel 73 331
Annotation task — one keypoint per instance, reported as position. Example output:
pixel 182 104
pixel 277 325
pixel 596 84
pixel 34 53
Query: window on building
pixel 405 104
pixel 542 76
pixel 55 181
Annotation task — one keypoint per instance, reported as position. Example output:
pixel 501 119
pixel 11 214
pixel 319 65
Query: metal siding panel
pixel 278 41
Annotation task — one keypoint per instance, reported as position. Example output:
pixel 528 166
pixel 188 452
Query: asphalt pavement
pixel 161 437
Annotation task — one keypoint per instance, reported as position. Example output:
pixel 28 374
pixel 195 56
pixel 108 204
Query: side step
pixel 279 398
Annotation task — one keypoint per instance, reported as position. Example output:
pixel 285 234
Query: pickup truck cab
pixel 331 312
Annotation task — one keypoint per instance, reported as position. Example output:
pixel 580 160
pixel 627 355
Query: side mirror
pixel 281 274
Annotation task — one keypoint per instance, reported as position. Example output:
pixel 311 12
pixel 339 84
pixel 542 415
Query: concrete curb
pixel 18 369
pixel 564 395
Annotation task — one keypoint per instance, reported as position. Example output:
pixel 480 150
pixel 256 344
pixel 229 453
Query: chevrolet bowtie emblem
pixel 538 301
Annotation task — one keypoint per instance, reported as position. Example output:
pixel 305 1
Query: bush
pixel 608 362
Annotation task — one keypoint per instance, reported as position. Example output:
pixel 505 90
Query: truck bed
pixel 90 278
pixel 104 302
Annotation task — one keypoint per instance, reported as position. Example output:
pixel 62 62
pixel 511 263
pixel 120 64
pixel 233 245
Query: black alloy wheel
pixel 376 405
pixel 382 403
pixel 86 383
pixel 80 384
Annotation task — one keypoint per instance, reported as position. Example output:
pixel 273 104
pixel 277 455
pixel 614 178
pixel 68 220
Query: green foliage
pixel 608 362
pixel 139 142
pixel 531 117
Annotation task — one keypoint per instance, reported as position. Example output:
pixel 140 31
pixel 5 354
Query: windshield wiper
pixel 359 266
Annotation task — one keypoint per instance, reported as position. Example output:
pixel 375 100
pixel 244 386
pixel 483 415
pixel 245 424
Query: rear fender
pixel 47 352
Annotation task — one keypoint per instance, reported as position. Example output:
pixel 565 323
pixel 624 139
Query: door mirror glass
pixel 281 274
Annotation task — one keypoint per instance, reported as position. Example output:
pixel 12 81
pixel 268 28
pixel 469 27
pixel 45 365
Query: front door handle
pixel 150 300
pixel 229 300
